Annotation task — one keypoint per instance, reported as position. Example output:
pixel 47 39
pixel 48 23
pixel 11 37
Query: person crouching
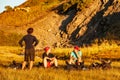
pixel 48 58
pixel 76 56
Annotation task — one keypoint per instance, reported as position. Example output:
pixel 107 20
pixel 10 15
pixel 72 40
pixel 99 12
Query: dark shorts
pixel 29 54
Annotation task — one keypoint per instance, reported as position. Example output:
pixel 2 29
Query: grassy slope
pixel 20 17
pixel 13 23
pixel 38 8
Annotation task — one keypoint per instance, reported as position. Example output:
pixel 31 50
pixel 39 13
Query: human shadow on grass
pixel 104 64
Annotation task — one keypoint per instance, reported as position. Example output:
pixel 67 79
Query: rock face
pixel 94 22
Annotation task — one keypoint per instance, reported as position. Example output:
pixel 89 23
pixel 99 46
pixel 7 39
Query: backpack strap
pixel 77 55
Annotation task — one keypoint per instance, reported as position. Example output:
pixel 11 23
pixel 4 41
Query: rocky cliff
pixel 97 21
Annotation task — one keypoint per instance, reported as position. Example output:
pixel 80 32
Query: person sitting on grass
pixel 48 58
pixel 75 56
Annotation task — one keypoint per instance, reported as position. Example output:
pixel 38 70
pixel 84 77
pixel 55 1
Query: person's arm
pixel 72 54
pixel 48 58
pixel 51 56
pixel 44 56
pixel 36 41
pixel 80 56
pixel 20 42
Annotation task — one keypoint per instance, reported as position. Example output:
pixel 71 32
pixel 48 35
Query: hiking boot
pixel 56 67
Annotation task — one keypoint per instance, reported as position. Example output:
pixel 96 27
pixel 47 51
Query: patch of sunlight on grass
pixel 104 50
pixel 116 64
pixel 9 53
pixel 10 49
pixel 62 51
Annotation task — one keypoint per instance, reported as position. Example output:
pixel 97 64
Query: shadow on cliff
pixel 98 28
pixel 70 13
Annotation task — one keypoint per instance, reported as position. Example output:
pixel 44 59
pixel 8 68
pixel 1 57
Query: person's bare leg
pixel 71 61
pixel 55 61
pixel 45 62
pixel 24 65
pixel 31 65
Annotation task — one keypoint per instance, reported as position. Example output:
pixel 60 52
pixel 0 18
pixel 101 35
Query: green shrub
pixel 33 3
pixel 8 8
pixel 81 4
pixel 9 39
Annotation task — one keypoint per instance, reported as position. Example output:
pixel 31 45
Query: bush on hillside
pixel 8 8
pixel 9 39
pixel 81 4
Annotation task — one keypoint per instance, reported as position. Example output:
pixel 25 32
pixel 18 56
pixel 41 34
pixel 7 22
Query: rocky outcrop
pixel 94 21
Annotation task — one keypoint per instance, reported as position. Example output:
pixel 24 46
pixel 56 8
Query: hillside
pixel 62 23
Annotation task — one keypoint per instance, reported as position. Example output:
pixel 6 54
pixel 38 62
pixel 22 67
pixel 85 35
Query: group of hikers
pixel 48 58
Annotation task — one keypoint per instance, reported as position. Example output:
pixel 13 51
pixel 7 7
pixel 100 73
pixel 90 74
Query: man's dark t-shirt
pixel 30 41
pixel 50 55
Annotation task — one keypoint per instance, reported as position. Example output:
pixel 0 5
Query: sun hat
pixel 76 48
pixel 46 49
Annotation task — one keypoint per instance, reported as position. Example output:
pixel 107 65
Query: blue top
pixel 74 55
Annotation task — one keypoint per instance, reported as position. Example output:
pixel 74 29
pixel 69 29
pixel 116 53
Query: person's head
pixel 47 50
pixel 76 48
pixel 30 30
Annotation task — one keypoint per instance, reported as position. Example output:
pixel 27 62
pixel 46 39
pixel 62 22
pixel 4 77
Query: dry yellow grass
pixel 103 51
pixel 8 54
pixel 58 74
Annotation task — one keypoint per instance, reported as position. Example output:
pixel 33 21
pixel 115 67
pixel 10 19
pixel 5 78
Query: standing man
pixel 30 42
